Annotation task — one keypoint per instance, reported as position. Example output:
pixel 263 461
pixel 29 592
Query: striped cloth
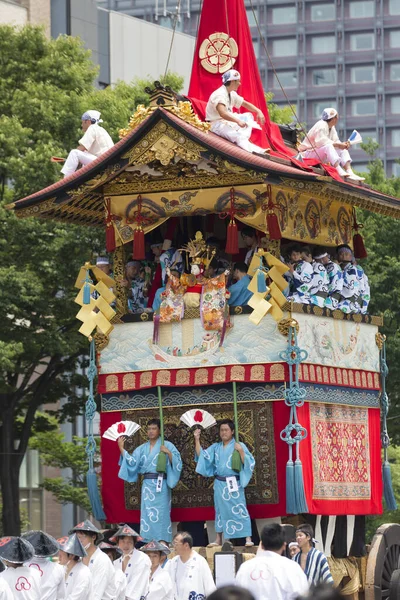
pixel 317 568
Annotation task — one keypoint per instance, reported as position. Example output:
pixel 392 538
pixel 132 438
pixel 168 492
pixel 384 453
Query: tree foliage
pixel 41 352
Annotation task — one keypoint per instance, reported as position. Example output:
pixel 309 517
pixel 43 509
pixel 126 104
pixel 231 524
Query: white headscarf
pixel 231 75
pixel 92 115
pixel 328 113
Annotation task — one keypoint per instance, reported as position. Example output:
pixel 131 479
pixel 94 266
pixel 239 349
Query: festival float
pixel 306 385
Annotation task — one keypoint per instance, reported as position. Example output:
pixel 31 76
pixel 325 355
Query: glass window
pixel 362 10
pixel 324 77
pixel 284 15
pixel 256 46
pixel 363 74
pixel 395 72
pixel 396 137
pixel 250 17
pixel 287 79
pixel 285 47
pixel 323 12
pixel 362 41
pixel 318 107
pixel 363 107
pixel 323 44
pixel 394 38
pixel 368 134
pixel 396 169
pixel 394 7
pixel 395 105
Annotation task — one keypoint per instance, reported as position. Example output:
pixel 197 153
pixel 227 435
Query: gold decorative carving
pixel 183 377
pixel 312 373
pixel 319 374
pixel 358 379
pixel 237 373
pixel 163 378
pixel 284 324
pixel 111 383
pixel 144 316
pixel 35 210
pixel 101 341
pixel 277 373
pixel 129 381
pixel 201 377
pixel 219 374
pixel 376 380
pixel 257 373
pixel 363 379
pixel 325 375
pixel 339 377
pixel 380 339
pixel 332 375
pixel 146 379
pixel 351 378
pixel 305 372
pixel 238 310
pixel 121 292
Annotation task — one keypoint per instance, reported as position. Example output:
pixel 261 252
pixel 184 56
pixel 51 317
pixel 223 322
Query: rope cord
pixel 384 401
pixel 173 37
pixel 264 45
pixel 90 407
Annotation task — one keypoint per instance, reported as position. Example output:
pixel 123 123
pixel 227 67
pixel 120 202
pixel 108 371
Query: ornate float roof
pixel 170 153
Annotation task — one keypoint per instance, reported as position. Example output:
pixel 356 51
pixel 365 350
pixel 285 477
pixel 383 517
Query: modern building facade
pixel 21 12
pixel 341 53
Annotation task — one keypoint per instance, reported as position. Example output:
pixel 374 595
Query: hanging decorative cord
pixel 294 433
pixel 176 18
pixel 388 492
pixel 90 411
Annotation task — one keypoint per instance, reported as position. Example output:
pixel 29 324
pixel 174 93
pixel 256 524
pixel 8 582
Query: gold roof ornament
pixel 164 97
pixel 198 252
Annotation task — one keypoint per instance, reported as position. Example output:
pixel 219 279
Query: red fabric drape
pixel 216 17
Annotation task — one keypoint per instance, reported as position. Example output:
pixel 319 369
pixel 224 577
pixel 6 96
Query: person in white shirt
pixel 98 563
pixel 23 582
pixel 269 574
pixel 52 580
pixel 135 564
pixel 235 127
pixel 5 591
pixel 78 579
pixel 120 579
pixel 190 573
pixel 94 142
pixel 322 143
pixel 160 583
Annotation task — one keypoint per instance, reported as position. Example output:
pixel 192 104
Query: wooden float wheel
pixel 383 566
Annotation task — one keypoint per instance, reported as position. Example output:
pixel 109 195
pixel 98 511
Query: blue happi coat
pixel 239 294
pixel 231 515
pixel 350 301
pixel 155 508
pixel 335 286
pixel 319 284
pixel 301 282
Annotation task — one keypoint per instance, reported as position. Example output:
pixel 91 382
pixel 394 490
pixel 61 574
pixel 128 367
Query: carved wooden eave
pixel 165 153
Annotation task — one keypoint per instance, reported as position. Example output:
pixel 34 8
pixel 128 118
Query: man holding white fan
pixel 322 143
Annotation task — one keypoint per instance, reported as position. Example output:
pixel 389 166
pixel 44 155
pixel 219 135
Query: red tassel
pixel 232 239
pixel 110 238
pixel 138 244
pixel 274 231
pixel 359 247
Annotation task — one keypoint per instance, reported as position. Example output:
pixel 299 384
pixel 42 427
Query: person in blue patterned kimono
pixel 302 277
pixel 365 291
pixel 335 277
pixel 231 516
pixel 350 301
pixel 155 508
pixel 320 281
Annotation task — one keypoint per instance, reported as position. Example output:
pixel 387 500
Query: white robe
pixel 137 574
pixel 5 591
pixel 160 586
pixel 103 576
pixel 197 581
pixel 78 583
pixel 270 575
pixel 120 585
pixel 24 582
pixel 52 578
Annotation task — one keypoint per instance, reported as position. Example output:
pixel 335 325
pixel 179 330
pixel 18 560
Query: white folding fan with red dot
pixel 121 428
pixel 197 416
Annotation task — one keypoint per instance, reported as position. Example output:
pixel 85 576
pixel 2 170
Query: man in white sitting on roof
pixel 94 142
pixel 322 143
pixel 235 127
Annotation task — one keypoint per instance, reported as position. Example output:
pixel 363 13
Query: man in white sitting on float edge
pixel 235 127
pixel 322 143
pixel 95 142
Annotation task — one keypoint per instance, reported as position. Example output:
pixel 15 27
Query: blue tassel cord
pixel 261 283
pixel 90 411
pixel 294 433
pixel 86 289
pixel 388 492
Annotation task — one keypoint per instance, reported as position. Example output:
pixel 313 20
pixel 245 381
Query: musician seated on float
pixel 322 143
pixel 94 142
pixel 239 294
pixel 235 127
